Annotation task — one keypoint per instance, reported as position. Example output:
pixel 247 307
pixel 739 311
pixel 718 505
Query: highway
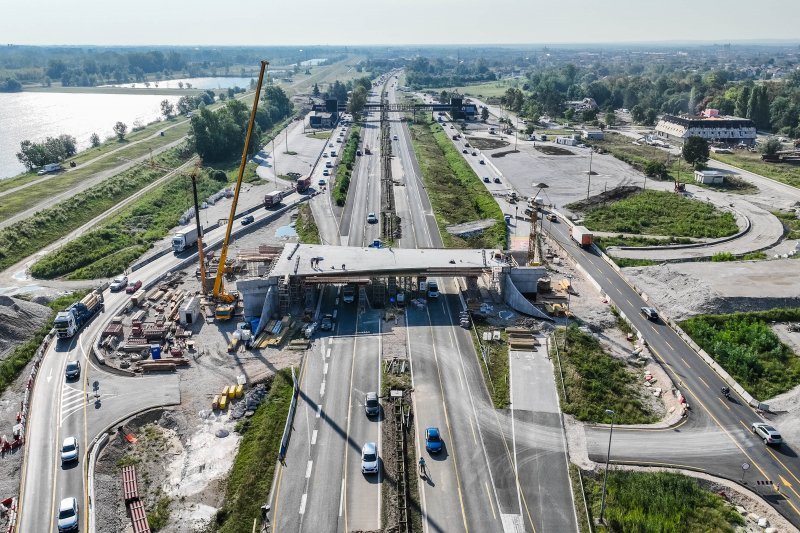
pixel 717 438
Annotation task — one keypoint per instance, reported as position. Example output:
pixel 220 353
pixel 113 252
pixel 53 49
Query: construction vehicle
pixel 72 319
pixel 183 239
pixel 303 184
pixel 680 187
pixel 582 236
pixel 226 301
pixel 273 199
pixel 193 177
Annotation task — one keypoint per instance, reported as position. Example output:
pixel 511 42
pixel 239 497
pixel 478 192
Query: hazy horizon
pixel 416 23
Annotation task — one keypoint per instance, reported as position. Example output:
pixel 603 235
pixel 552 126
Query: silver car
pixel 69 450
pixel 371 405
pixel 370 463
pixel 68 515
pixel 768 434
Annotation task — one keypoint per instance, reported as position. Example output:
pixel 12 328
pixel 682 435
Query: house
pixel 710 126
pixel 566 141
pixel 323 120
pixel 587 104
pixel 595 135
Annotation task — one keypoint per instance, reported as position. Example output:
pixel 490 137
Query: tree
pixel 95 140
pixel 695 152
pixel 120 129
pixel 185 104
pixel 484 113
pixel 742 101
pixel 771 147
pixel 443 97
pixel 358 98
pixel 655 169
pixel 315 90
pixel 610 118
pixel 167 109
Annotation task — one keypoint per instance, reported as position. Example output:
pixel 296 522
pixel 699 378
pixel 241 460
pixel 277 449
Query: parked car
pixel 371 405
pixel 249 219
pixel 433 440
pixel 372 219
pixel 133 286
pixel 119 283
pixel 73 370
pixel 69 450
pixel 327 322
pixel 649 313
pixel 768 434
pixel 68 515
pixel 370 463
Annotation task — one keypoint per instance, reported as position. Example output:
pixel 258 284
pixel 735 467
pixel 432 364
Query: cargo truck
pixel 581 235
pixel 184 238
pixel 72 319
pixel 303 184
pixel 273 199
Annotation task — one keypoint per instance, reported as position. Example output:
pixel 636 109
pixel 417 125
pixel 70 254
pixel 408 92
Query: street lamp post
pixel 589 185
pixel 608 458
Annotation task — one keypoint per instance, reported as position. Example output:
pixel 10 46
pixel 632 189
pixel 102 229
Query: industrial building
pixel 710 126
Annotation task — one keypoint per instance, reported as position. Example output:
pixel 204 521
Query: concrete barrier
pixel 287 429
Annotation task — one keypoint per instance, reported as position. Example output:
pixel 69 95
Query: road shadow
pixel 785 450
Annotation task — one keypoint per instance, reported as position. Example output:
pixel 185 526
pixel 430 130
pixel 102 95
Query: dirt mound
pixel 554 150
pixel 613 195
pixel 503 154
pixel 482 143
pixel 18 320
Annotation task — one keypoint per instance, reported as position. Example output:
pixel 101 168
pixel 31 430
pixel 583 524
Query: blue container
pixel 155 351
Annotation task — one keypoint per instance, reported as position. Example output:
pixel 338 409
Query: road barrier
pixel 287 429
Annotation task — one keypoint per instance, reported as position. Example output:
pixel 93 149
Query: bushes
pixel 345 168
pixel 745 346
pixel 660 501
pixel 662 213
pixel 595 381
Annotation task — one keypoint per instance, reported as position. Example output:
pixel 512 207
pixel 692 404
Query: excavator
pixel 226 301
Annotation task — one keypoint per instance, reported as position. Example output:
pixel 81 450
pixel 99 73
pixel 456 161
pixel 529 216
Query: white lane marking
pixel 303 503
pixel 325 369
pixel 327 355
pixel 330 341
pixel 322 389
pixel 341 498
pixel 319 410
pixel 308 468
pixel 314 437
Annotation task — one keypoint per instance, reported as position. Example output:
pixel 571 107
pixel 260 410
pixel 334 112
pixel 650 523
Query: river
pixel 37 115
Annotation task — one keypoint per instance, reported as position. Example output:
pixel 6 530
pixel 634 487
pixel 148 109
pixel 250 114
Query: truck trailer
pixel 582 236
pixel 72 319
pixel 273 199
pixel 184 238
pixel 303 184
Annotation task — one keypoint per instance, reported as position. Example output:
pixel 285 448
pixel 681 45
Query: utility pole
pixel 590 173
pixel 608 458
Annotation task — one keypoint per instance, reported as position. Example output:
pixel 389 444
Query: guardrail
pixel 287 429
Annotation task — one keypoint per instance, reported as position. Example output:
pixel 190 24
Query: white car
pixel 119 283
pixel 69 450
pixel 370 463
pixel 768 434
pixel 68 515
pixel 372 219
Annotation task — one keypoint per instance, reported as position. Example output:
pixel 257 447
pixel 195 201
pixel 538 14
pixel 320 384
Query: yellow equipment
pixel 224 310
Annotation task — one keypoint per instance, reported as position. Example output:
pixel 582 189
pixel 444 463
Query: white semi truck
pixel 184 238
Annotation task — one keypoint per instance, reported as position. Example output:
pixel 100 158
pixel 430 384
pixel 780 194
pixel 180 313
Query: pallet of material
pixel 156 366
pixel 138 517
pixel 112 330
pixel 154 333
pixel 139 316
pixel 520 331
pixel 130 485
pixel 286 331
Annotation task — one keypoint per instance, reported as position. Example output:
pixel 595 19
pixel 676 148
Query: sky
pixel 368 22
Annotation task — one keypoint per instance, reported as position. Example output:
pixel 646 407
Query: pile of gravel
pixel 18 321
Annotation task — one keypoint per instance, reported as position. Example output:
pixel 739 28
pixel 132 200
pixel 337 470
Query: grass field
pixel 306 228
pixel 789 174
pixel 657 501
pixel 486 90
pixel 495 368
pixel 344 170
pixel 456 193
pixel 596 381
pixel 747 348
pixel 661 213
pixel 250 478
pixel 791 222
pixel 323 135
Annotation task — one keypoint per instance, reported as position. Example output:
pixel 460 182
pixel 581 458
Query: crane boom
pixel 219 290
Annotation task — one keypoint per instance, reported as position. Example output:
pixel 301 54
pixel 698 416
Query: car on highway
pixel 394 138
pixel 73 370
pixel 497 180
pixel 433 440
pixel 358 152
pixel 464 151
pixel 486 179
pixel 326 172
pixel 321 182
pixel 372 219
pixel 371 405
pixel 119 283
pixel 330 145
pixel 328 164
pixel 551 217
pixel 69 450
pixel 482 162
pixel 349 294
pixel 466 144
pixel 474 152
pixel 324 154
pixel 133 286
pixel 507 218
pixel 333 153
pixel 249 219
pixel 68 515
pixel 768 434
pixel 327 322
pixel 370 463
pixel 649 313
pixel 433 289
pixel 338 141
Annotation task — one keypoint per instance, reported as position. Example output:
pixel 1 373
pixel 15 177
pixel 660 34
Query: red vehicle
pixel 133 286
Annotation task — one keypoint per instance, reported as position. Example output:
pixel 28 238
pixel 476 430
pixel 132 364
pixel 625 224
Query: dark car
pixel 73 370
pixel 133 286
pixel 371 405
pixel 497 180
pixel 433 440
pixel 249 219
pixel 486 179
pixel 474 152
pixel 464 151
pixel 482 162
pixel 327 323
pixel 649 313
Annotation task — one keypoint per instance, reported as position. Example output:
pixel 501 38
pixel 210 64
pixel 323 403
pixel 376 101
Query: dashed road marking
pixel 322 389
pixel 309 466
pixel 314 437
pixel 303 504
pixel 319 410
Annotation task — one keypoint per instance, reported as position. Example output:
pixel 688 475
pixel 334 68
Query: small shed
pixel 568 141
pixel 190 311
pixel 596 135
pixel 709 177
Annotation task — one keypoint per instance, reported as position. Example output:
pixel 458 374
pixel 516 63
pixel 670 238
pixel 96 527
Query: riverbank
pixel 113 90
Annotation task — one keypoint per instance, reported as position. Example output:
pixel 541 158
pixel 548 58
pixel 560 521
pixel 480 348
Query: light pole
pixel 589 185
pixel 608 458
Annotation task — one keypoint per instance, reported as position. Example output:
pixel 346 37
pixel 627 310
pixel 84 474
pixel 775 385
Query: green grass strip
pixel 250 480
